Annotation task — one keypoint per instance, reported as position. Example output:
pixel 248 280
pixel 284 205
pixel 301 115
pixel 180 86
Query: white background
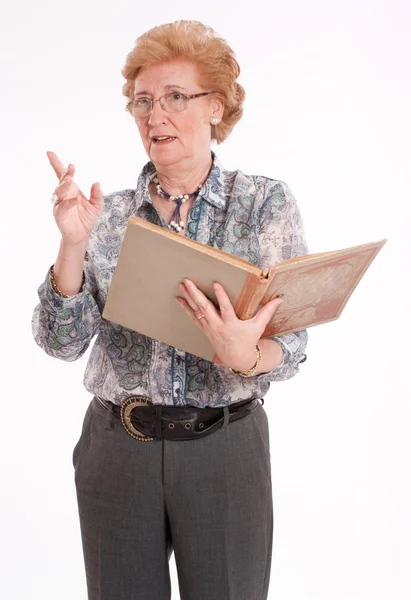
pixel 327 111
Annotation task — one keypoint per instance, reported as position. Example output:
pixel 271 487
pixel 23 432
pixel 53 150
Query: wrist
pixel 67 274
pixel 244 361
pixel 58 290
pixel 252 370
pixel 271 355
pixel 68 248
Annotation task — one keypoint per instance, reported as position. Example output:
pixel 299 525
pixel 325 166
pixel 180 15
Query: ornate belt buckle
pixel 125 412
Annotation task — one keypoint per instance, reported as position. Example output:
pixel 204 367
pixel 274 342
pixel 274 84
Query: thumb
pixel 266 313
pixel 96 196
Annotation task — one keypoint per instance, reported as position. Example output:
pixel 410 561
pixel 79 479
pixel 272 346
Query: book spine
pixel 251 295
pixel 249 300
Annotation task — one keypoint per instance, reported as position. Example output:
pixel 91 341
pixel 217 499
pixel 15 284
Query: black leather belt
pixel 146 421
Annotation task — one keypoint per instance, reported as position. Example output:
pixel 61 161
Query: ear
pixel 217 107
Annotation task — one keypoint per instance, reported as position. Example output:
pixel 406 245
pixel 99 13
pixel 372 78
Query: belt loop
pixel 158 421
pixel 226 416
pixel 109 417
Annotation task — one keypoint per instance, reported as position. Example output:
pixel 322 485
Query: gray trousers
pixel 208 500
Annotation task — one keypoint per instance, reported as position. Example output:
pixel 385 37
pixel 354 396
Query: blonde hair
pixel 193 41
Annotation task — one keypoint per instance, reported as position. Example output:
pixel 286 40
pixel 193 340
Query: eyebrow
pixel 166 87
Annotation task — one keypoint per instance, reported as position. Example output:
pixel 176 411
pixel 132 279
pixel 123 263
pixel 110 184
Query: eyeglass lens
pixel 173 102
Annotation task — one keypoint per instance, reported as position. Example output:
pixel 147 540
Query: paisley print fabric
pixel 253 217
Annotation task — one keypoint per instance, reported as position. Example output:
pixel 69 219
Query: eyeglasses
pixel 172 102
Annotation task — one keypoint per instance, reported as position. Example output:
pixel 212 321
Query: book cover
pixel 154 260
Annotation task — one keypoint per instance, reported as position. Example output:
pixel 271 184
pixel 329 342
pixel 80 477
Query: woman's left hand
pixel 233 339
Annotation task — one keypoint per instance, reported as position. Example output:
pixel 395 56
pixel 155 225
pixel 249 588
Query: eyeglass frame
pixel 188 96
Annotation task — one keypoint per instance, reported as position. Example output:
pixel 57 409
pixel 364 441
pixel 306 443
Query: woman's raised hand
pixel 75 215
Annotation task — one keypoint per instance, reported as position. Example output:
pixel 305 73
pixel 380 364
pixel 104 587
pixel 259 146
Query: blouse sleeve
pixel 64 327
pixel 282 237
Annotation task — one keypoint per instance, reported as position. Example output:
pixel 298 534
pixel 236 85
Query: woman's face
pixel 191 128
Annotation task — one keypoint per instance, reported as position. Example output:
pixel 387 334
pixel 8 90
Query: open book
pixel 154 260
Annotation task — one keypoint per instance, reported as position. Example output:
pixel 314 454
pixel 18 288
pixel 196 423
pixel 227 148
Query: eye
pixel 140 102
pixel 176 96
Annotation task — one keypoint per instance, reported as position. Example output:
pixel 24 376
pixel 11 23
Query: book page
pixel 315 293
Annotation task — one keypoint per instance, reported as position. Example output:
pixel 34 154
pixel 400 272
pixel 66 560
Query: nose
pixel 157 115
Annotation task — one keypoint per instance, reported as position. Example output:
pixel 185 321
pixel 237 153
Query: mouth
pixel 163 139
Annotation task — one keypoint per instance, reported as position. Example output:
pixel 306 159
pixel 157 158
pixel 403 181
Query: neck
pixel 177 179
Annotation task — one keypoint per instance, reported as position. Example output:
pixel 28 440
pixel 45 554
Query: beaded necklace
pixel 176 223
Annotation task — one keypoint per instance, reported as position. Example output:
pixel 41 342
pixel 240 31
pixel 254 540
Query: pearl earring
pixel 214 120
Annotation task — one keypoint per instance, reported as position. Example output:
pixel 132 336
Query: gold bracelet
pixel 253 369
pixel 59 292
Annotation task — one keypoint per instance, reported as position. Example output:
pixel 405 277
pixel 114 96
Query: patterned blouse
pixel 253 217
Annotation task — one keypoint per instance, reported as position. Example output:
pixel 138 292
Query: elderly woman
pixel 200 484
